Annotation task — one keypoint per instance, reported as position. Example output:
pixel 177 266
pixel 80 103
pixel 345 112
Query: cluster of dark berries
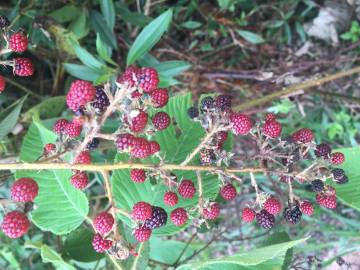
pixel 15 223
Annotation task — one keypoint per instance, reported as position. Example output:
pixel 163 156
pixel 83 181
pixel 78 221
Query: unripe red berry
pixel 228 192
pixel 328 201
pixel 125 142
pixel 129 76
pixel 80 93
pixel 337 158
pixel 303 135
pixel 147 79
pixel 270 117
pixel 307 208
pixel 141 211
pixel 100 244
pixel 154 147
pixel 272 205
pixel 138 123
pixel 186 189
pixel 323 150
pixel 159 97
pixel 170 198
pixel 73 130
pixel 179 216
pixel 84 157
pixel 23 67
pixel 272 129
pixel 79 180
pixel 141 148
pixel 60 125
pixel 211 212
pixel 142 233
pixel 248 214
pixel 49 148
pixel 138 175
pixel 18 42
pixel 15 224
pixel 241 123
pixel 221 137
pixel 24 190
pixel 161 120
pixel 103 222
pixel 2 84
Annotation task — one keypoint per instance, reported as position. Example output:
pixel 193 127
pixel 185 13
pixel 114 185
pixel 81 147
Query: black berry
pixel 323 150
pixel 101 101
pixel 342 180
pixel 207 104
pixel 265 219
pixel 338 174
pixel 292 214
pixel 317 185
pixel 4 22
pixel 223 102
pixel 193 112
pixel 93 144
pixel 158 218
pixel 207 156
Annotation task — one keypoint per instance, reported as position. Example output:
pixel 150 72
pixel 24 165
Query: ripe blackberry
pixel 15 224
pixel 142 211
pixel 207 104
pixel 23 67
pixel 207 156
pixel 158 218
pixel 179 216
pixel 303 135
pixel 73 130
pixel 317 185
pixel 212 212
pixel 328 201
pixel 80 93
pixel 342 180
pixel 228 192
pixel 186 189
pixel 161 120
pixel 49 148
pixel 129 76
pixel 125 141
pixel 103 222
pixel 159 97
pixel 138 123
pixel 292 214
pixel 93 144
pixel 79 180
pixel 141 233
pixel 270 117
pixel 223 103
pixel 24 190
pixel 154 147
pixel 337 158
pixel 323 150
pixel 248 215
pixel 2 84
pixel 338 174
pixel 101 100
pixel 193 112
pixel 170 198
pixel 141 148
pixel 18 42
pixel 241 123
pixel 4 22
pixel 272 129
pixel 272 205
pixel 265 219
pixel 147 79
pixel 138 175
pixel 100 244
pixel 307 208
pixel 84 157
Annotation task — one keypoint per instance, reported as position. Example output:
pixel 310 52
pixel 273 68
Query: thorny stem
pixel 200 187
pixel 254 184
pixel 291 193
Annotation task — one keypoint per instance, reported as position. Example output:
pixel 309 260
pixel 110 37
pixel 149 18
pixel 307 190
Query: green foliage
pixel 354 34
pixel 9 117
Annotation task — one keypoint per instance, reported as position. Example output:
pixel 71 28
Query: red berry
pixel 15 224
pixel 141 211
pixel 138 123
pixel 103 222
pixel 228 192
pixel 159 97
pixel 223 103
pixel 80 93
pixel 18 42
pixel 179 216
pixel 83 158
pixel 337 158
pixel 2 84
pixel 248 215
pixel 328 201
pixel 241 123
pixel 49 148
pixel 129 76
pixel 212 212
pixel 125 142
pixel 73 130
pixel 138 175
pixel 161 120
pixel 272 129
pixel 270 117
pixel 221 137
pixel 272 205
pixel 79 180
pixel 154 147
pixel 24 190
pixel 142 233
pixel 141 148
pixel 307 208
pixel 23 67
pixel 147 79
pixel 100 244
pixel 136 94
pixel 170 198
pixel 303 135
pixel 323 150
pixel 186 189
pixel 59 126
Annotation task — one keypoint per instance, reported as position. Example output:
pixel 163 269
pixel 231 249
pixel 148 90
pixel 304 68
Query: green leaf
pixel 135 18
pixel 9 117
pixel 103 50
pixel 191 24
pixel 65 14
pixel 99 24
pixel 176 143
pixel 78 246
pixel 251 37
pixel 349 193
pixel 83 72
pixel 49 108
pixel 108 10
pixel 149 36
pixel 225 4
pixel 170 69
pixel 79 26
pixel 269 257
pixel 60 207
pixel 87 58
pixel 141 261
